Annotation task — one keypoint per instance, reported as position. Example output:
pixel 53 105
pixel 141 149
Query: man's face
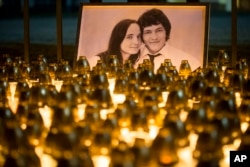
pixel 154 37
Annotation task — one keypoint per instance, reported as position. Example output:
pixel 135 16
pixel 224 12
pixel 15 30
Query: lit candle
pixel 45 159
pixel 12 89
pixel 46 114
pixel 153 131
pixel 111 85
pixel 104 113
pixel 226 152
pixel 238 98
pixel 101 160
pixel 186 157
pixel 244 126
pixel 80 112
pixel 164 98
pixel 32 82
pixel 118 98
pixel 58 84
pixel 130 136
pixel 13 102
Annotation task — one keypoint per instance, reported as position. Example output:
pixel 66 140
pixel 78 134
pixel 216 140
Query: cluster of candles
pixel 112 115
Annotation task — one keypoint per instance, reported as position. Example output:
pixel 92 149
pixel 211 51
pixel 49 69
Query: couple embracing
pixel 145 38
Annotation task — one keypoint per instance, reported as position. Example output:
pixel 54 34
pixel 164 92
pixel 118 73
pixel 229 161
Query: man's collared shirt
pixel 169 52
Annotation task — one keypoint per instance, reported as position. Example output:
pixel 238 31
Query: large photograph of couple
pixel 144 31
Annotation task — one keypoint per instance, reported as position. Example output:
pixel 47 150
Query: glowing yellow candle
pixel 58 84
pixel 46 114
pixel 101 161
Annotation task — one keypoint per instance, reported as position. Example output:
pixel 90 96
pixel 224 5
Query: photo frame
pixel 189 26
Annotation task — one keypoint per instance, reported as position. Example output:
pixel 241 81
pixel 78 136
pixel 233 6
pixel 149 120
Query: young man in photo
pixel 156 27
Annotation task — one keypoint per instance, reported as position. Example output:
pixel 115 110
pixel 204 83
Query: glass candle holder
pixel 185 68
pixel 163 148
pixel 208 148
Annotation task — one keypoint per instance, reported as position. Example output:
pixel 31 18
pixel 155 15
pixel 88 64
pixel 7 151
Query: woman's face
pixel 132 40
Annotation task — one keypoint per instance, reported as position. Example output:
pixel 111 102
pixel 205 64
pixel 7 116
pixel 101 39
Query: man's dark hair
pixel 155 17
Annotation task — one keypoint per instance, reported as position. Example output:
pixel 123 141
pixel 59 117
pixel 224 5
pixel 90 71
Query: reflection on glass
pixel 185 68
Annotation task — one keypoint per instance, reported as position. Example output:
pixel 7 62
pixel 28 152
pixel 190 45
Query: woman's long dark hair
pixel 117 36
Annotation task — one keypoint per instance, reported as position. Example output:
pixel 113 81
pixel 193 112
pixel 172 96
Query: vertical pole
pixel 234 32
pixel 26 30
pixel 59 28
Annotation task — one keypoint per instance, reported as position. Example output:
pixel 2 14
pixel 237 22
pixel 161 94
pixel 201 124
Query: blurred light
pixel 46 160
pixel 130 136
pixel 105 112
pixel 153 131
pixel 81 112
pixel 186 157
pixel 58 84
pixel 101 161
pixel 32 82
pixel 244 126
pixel 118 98
pixel 164 98
pixel 12 89
pixel 111 84
pixel 226 152
pixel 238 99
pixel 46 114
